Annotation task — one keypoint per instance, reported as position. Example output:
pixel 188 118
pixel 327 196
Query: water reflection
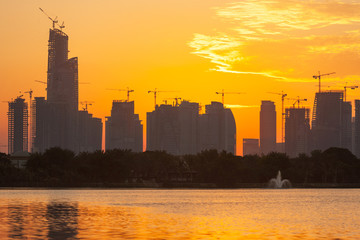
pixel 62 220
pixel 180 214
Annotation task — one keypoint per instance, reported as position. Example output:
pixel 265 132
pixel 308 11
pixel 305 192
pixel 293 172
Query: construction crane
pixel 297 101
pixel 283 95
pixel 351 87
pixel 86 103
pixel 120 90
pixel 319 77
pixel 223 94
pixel 155 93
pixel 54 21
pixel 176 101
pixel 42 83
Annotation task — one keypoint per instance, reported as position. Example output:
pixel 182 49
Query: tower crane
pixel 54 21
pixel 297 101
pixel 223 94
pixel 155 91
pixel 86 103
pixel 42 83
pixel 128 91
pixel 351 87
pixel 319 77
pixel 283 95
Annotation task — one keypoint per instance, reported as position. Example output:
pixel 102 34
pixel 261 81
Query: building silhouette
pixel 267 127
pixel 346 126
pixel 163 129
pixel 57 121
pixel 217 128
pixel 330 121
pixel 17 126
pixel 297 131
pixel 357 129
pixel 40 125
pixel 89 132
pixel 251 146
pixel 123 129
pixel 62 93
pixel 182 130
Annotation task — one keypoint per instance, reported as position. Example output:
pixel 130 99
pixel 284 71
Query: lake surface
pixel 180 214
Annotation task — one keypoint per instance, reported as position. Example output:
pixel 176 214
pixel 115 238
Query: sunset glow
pixel 191 48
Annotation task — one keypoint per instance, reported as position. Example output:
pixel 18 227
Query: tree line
pixel 59 167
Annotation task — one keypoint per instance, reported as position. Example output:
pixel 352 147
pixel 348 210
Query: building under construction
pixel 17 126
pixel 123 129
pixel 297 131
pixel 180 129
pixel 331 121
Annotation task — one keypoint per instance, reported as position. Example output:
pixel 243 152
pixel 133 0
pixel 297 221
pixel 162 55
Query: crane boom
pixel 223 94
pixel 319 77
pixel 54 21
pixel 155 91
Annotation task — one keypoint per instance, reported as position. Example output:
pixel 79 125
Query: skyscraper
pixel 181 130
pixel 123 129
pixel 163 129
pixel 357 128
pixel 217 129
pixel 17 126
pixel 40 125
pixel 297 131
pixel 62 94
pixel 90 132
pixel 327 120
pixel 267 127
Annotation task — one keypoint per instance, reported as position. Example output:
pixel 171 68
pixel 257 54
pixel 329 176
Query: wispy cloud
pixel 284 40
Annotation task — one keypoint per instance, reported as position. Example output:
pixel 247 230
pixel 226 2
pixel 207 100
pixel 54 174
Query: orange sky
pixel 194 47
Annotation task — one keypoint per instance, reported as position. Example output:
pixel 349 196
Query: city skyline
pixel 171 58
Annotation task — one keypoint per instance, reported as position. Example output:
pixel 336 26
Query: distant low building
pixel 250 146
pixel 19 159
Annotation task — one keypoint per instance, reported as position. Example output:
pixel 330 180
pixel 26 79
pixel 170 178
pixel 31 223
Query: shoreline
pixel 171 186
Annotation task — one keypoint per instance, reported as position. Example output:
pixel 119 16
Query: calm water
pixel 180 214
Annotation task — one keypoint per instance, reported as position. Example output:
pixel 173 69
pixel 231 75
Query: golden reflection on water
pixel 180 214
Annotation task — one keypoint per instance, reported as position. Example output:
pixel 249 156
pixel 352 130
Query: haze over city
pixel 196 48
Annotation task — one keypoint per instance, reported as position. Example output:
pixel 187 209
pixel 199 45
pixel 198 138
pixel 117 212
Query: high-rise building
pixel 250 146
pixel 163 129
pixel 181 130
pixel 90 132
pixel 62 81
pixel 56 119
pixel 217 128
pixel 189 133
pixel 267 127
pixel 327 120
pixel 123 129
pixel 40 125
pixel 297 131
pixel 357 129
pixel 17 126
pixel 346 128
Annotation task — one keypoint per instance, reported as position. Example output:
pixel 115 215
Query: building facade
pixel 18 126
pixel 267 127
pixel 123 129
pixel 297 131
